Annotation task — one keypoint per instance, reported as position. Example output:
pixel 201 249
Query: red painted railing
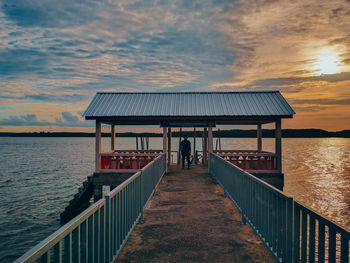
pixel 250 160
pixel 127 159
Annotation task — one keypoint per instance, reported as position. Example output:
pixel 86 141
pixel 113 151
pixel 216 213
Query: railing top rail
pixel 136 154
pixel 240 151
pixel 132 178
pixel 149 164
pixel 259 154
pixel 59 234
pixel 323 219
pixel 254 178
pixel 123 185
pixel 137 151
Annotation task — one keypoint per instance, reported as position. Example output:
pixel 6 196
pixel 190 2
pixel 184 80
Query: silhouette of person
pixel 185 147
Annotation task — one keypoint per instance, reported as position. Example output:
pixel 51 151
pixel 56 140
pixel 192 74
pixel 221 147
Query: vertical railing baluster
pixel 57 252
pixel 321 242
pixel 102 233
pixel 332 246
pixel 312 239
pixel 289 231
pixel 107 229
pixel 275 225
pixel 97 236
pixel 76 244
pixel 114 233
pixel 68 248
pixel 303 237
pixel 118 219
pixel 281 225
pixel 296 233
pixel 90 247
pixel 45 258
pixel 84 241
pixel 344 251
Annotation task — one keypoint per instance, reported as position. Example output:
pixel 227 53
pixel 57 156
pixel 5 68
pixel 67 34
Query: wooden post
pixel 194 146
pixel 179 155
pixel 210 139
pixel 165 146
pixel 112 137
pixel 210 145
pixel 205 142
pixel 278 144
pixel 98 146
pixel 169 147
pixel 259 136
pixel 164 140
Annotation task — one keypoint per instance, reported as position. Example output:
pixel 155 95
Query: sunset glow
pixel 328 62
pixel 54 60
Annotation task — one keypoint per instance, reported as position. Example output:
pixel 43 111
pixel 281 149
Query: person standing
pixel 185 147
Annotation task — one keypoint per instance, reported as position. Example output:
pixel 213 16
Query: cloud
pixel 63 52
pixel 308 109
pixel 68 120
pixel 52 98
pixel 322 101
pixel 46 13
pixel 18 61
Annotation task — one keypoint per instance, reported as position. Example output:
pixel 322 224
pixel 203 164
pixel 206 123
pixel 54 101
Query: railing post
pixel 107 230
pixel 289 248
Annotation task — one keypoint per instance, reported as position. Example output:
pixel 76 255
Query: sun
pixel 328 62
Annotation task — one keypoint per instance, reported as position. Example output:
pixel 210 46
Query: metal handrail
pixel 305 231
pixel 40 249
pixel 99 233
pixel 279 221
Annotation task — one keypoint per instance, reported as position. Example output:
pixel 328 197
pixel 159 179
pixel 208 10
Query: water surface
pixel 38 177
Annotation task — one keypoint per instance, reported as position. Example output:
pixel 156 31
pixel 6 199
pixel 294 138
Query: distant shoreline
pixel 267 133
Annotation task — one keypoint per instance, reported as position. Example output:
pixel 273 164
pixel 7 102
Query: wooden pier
pixel 190 220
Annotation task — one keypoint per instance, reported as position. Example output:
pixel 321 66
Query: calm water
pixel 38 177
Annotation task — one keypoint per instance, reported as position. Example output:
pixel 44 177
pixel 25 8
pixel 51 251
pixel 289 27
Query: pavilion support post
pixel 179 155
pixel 112 137
pixel 165 146
pixel 169 147
pixel 98 146
pixel 278 144
pixel 210 144
pixel 210 139
pixel 164 140
pixel 194 146
pixel 259 137
pixel 205 147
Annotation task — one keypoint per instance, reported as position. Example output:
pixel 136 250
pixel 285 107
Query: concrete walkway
pixel 189 220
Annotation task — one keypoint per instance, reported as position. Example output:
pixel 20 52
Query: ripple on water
pixel 40 183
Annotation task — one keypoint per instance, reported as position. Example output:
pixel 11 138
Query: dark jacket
pixel 185 147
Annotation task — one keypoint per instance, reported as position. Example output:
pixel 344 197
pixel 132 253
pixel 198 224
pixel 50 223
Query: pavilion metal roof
pixel 189 104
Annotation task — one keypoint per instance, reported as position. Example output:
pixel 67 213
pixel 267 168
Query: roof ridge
pixel 189 92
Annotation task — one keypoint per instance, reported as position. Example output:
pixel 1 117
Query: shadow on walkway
pixel 190 220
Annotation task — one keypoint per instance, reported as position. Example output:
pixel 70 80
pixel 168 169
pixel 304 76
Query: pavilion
pixel 189 109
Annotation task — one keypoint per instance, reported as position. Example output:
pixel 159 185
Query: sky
pixel 55 55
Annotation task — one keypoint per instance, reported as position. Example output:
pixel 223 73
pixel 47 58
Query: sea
pixel 38 177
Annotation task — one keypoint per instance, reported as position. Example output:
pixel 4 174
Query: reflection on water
pixel 38 177
pixel 318 175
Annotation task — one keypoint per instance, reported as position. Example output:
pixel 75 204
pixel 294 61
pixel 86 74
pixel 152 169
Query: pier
pixel 232 201
pixel 189 219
